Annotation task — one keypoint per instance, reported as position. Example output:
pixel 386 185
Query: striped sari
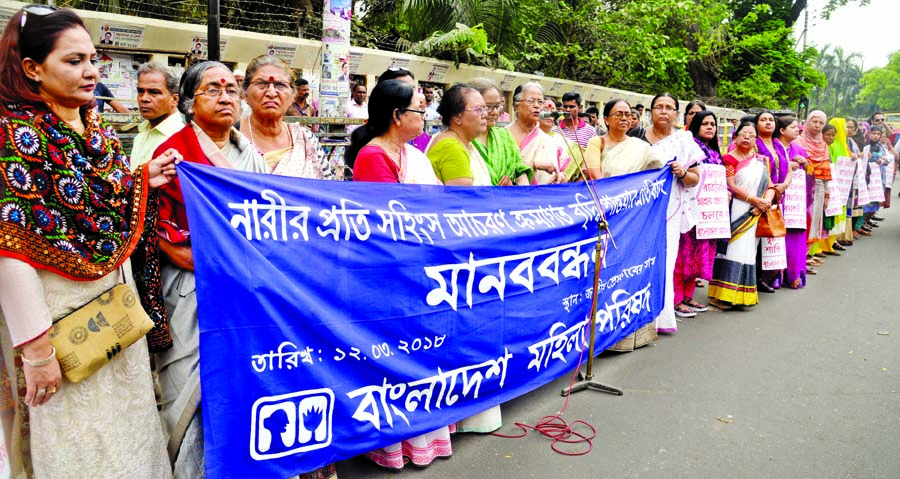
pixel 734 272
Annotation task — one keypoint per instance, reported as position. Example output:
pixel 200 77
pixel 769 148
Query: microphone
pixel 553 114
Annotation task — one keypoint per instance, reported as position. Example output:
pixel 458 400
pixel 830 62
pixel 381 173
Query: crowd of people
pixel 80 215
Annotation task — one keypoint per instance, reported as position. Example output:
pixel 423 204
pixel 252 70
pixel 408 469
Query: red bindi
pixel 271 79
pixel 222 80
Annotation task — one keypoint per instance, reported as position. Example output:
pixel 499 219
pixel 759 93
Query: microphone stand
pixel 586 381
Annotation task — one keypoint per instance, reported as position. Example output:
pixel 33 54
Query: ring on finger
pixel 42 391
pixel 52 391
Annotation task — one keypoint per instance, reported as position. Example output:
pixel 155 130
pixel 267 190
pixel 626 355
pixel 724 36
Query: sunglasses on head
pixel 36 10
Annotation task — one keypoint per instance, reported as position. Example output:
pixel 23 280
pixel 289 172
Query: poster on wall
pixel 117 72
pixel 120 36
pixel 283 51
pixel 334 86
pixel 199 47
pixel 437 73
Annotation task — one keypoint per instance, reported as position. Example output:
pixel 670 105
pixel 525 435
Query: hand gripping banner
pixel 337 318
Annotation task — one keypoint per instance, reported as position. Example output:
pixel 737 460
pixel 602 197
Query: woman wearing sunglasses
pixel 73 216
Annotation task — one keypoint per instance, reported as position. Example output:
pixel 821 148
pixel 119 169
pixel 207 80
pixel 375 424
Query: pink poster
pixel 795 201
pixel 712 203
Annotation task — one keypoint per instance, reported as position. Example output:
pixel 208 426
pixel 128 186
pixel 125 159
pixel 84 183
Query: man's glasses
pixel 37 10
pixel 214 92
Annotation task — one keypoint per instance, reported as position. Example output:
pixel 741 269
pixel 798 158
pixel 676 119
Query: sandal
pixel 684 311
pixel 694 305
pixel 720 305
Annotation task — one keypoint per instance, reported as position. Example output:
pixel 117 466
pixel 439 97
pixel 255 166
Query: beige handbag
pixel 89 338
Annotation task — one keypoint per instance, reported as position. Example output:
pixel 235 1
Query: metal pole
pixel 213 31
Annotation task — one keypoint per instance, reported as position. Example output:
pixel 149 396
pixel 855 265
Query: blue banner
pixel 337 318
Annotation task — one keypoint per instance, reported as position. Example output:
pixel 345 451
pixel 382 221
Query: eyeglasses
pixel 878 120
pixel 280 87
pixel 620 115
pixel 37 10
pixel 532 101
pixel 421 112
pixel 215 92
pixel 664 108
pixel 494 107
pixel 478 110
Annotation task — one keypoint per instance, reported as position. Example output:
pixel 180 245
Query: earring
pixel 37 79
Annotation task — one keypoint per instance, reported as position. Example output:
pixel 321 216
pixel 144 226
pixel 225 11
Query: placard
pixel 889 173
pixel 876 188
pixel 121 36
pixel 860 184
pixel 774 254
pixel 795 201
pixel 714 221
pixel 834 206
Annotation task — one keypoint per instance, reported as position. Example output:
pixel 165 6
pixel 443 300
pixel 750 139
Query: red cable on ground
pixel 555 427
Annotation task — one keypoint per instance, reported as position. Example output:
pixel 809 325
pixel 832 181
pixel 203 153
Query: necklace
pixel 250 130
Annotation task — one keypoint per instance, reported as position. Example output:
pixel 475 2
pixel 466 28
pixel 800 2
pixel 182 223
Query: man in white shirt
pixel 157 90
pixel 357 106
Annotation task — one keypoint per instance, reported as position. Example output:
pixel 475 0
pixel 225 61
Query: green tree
pixel 881 86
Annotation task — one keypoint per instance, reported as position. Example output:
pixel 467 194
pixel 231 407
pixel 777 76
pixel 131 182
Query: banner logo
pixel 291 423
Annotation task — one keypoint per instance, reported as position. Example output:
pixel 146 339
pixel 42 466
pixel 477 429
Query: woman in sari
pixel 59 160
pixel 772 150
pixel 539 150
pixel 616 153
pixel 820 166
pixel 497 145
pixel 681 151
pixel 383 154
pixel 209 98
pixel 455 160
pixel 734 272
pixel 696 256
pixel 795 240
pixel 290 149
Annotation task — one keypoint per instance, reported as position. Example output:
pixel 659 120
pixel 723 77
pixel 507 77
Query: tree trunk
pixel 705 81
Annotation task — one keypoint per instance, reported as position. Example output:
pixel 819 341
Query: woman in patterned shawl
pixel 73 220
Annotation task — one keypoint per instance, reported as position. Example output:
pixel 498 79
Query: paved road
pixel 805 385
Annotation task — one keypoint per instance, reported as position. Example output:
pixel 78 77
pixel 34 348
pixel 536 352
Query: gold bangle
pixel 40 362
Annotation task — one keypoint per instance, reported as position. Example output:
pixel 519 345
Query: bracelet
pixel 682 176
pixel 40 362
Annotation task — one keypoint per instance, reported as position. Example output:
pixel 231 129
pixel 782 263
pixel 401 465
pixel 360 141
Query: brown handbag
pixel 771 222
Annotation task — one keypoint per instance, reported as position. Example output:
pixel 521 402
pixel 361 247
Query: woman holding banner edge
pixel 209 97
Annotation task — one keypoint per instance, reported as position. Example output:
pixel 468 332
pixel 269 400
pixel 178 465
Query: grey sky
pixel 854 28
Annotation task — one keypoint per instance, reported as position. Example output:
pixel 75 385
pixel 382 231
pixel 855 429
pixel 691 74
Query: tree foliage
pixel 881 86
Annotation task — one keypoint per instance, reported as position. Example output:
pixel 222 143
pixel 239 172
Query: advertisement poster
pixel 437 73
pixel 121 36
pixel 118 74
pixel 199 47
pixel 334 86
pixel 283 51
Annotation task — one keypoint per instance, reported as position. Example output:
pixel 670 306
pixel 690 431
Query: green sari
pixel 503 156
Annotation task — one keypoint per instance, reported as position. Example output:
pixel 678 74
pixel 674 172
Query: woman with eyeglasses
pixel 690 110
pixel 734 272
pixel 616 153
pixel 289 149
pixel 76 222
pixel 496 145
pixel 678 148
pixel 380 149
pixel 539 150
pixel 209 98
pixel 456 161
